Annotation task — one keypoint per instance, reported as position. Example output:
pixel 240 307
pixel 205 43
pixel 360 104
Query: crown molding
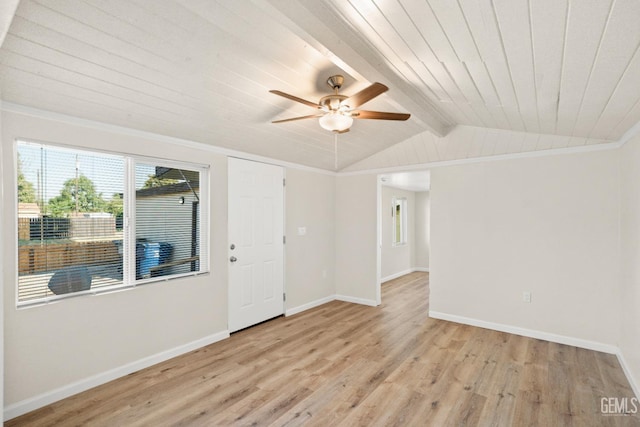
pixel 529 154
pixel 101 126
pixel 630 134
pixel 92 124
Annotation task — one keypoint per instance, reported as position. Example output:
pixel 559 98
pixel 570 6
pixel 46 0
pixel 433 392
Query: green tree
pixel 115 206
pixel 26 193
pixel 88 199
pixel 154 182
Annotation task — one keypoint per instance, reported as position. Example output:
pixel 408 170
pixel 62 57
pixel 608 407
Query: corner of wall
pixel 635 385
pixel 356 241
pixel 629 250
pixel 1 271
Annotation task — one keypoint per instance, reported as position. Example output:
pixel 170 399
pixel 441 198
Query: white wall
pixel 356 235
pixel 57 344
pixel 400 258
pixel 2 269
pixel 422 231
pixel 630 268
pixel 310 261
pixel 548 225
pixel 58 348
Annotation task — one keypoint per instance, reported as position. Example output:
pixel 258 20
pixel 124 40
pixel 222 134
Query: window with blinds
pixel 167 220
pixel 73 234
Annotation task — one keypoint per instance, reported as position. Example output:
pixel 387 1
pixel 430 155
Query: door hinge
pixel 284 240
pixel 284 297
pixel 284 182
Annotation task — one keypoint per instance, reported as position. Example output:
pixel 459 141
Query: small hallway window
pixel 399 216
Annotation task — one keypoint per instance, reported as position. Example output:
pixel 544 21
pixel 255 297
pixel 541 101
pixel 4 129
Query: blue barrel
pixel 149 255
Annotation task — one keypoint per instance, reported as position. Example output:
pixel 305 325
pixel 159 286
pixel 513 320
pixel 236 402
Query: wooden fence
pixel 81 227
pixel 53 256
pixel 45 228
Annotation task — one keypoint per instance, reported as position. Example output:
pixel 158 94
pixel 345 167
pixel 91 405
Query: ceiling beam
pixel 7 11
pixel 320 25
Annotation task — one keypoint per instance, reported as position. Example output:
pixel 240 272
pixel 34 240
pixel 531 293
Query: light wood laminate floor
pixel 346 364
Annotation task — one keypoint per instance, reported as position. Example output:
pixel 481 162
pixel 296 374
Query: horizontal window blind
pixel 69 221
pixel 167 221
pixel 72 233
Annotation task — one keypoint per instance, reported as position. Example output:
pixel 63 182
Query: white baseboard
pixel 309 305
pixel 627 371
pixel 355 300
pixel 531 333
pixel 47 398
pixel 402 273
pixel 396 275
pixel 32 403
pixel 319 302
pixel 561 339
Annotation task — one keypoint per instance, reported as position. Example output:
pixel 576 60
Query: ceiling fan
pixel 338 111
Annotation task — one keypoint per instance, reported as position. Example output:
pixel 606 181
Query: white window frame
pixel 129 280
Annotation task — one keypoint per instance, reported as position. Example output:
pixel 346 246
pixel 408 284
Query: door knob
pixel 233 259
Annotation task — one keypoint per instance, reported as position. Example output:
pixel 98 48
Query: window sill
pixel 105 291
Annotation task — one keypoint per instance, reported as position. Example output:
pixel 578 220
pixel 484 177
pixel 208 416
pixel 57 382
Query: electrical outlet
pixel 526 296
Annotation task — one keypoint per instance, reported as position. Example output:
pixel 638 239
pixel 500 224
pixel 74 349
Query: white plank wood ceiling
pixel 201 70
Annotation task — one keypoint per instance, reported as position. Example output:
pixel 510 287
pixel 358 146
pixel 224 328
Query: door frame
pixel 379 239
pixel 380 215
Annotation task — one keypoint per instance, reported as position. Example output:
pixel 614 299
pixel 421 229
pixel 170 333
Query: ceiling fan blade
pixel 295 98
pixel 298 118
pixel 366 94
pixel 379 115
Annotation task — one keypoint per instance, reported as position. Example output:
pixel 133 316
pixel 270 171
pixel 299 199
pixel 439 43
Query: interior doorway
pixel 403 224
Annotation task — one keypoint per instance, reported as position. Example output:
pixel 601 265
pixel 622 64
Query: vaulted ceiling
pixel 201 70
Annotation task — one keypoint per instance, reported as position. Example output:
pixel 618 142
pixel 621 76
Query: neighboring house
pixel 169 214
pixel 28 210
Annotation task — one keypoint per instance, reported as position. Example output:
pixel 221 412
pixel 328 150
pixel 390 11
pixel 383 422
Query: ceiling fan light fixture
pixel 336 121
pixel 336 112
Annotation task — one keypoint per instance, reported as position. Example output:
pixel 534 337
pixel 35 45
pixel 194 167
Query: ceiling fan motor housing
pixel 335 82
pixel 333 102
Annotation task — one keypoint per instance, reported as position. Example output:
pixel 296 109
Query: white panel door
pixel 256 247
